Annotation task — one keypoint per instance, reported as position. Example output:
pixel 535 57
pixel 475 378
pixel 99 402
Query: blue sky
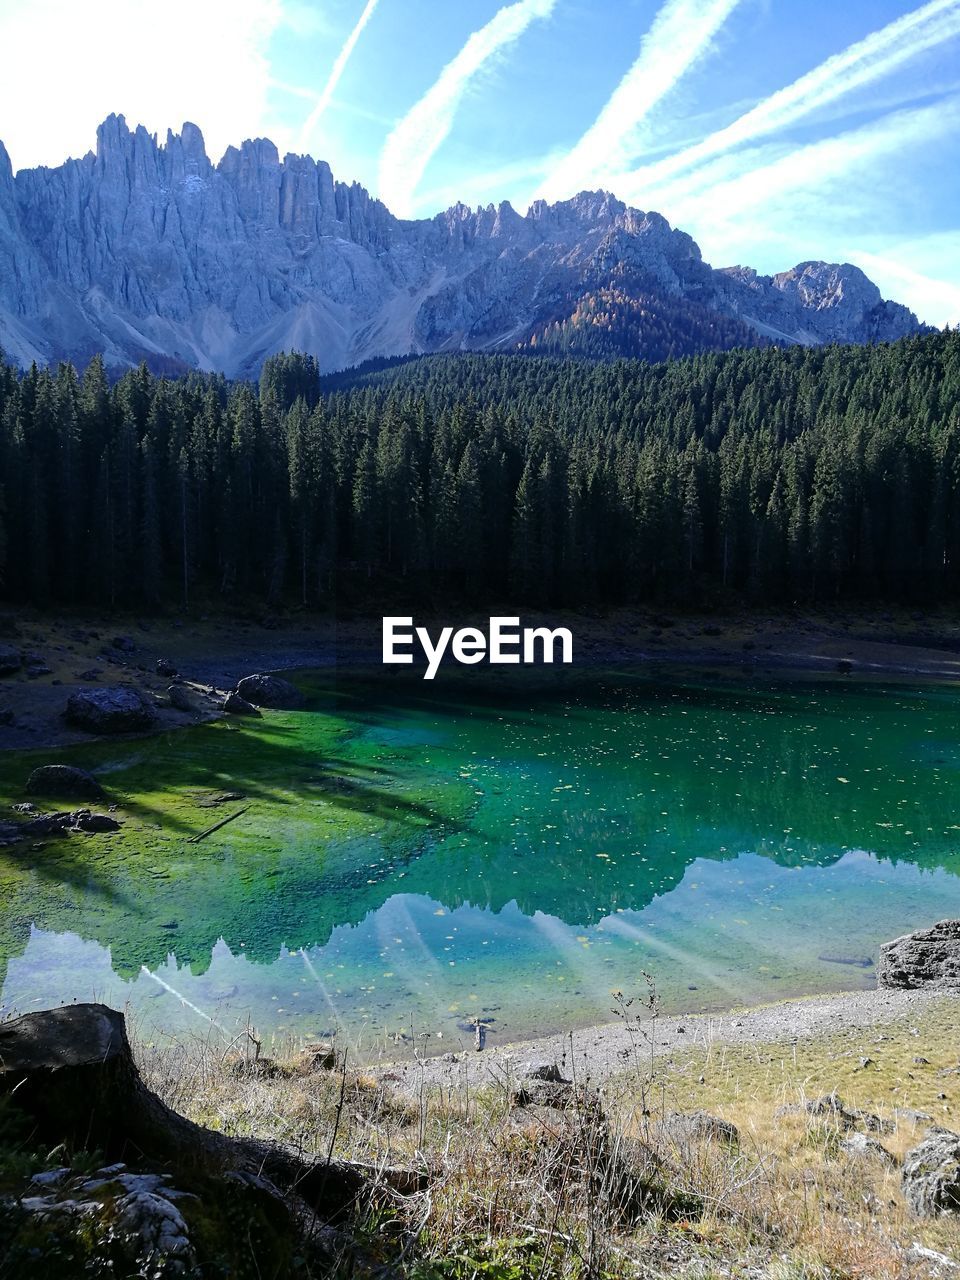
pixel 772 130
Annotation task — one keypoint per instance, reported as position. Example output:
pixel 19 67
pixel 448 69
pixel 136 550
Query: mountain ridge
pixel 145 250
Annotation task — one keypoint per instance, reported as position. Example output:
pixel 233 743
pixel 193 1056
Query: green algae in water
pixel 415 857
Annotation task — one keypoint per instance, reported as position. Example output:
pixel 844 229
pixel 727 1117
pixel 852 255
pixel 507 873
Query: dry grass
pixel 602 1188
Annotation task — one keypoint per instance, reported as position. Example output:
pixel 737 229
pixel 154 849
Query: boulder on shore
pixel 116 710
pixel 95 823
pixel 64 780
pixel 234 705
pixel 183 698
pixel 928 958
pixel 270 691
pixel 48 826
pixel 11 660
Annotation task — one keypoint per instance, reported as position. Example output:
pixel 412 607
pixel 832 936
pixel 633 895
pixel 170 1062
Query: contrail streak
pixel 343 57
pixel 681 34
pixel 877 55
pixel 410 147
pixel 816 164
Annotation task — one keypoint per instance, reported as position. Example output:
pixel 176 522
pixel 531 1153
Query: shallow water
pixel 419 856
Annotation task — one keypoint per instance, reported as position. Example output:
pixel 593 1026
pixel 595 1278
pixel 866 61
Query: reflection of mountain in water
pixel 595 799
pixel 734 932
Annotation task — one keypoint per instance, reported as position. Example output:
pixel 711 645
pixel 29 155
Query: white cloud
pixel 773 205
pixel 682 33
pixel 937 301
pixel 68 65
pixel 410 147
pixel 877 55
pixel 812 168
pixel 340 62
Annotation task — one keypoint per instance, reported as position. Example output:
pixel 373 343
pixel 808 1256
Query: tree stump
pixel 71 1071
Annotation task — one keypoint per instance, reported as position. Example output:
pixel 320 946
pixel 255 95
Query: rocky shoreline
pixel 44 664
pixel 914 972
pixel 601 1053
pixel 122 1155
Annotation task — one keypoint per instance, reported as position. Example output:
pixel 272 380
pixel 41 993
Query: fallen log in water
pixel 202 835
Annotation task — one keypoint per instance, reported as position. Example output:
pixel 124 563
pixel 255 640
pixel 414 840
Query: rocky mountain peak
pixel 112 135
pixel 148 251
pixel 595 206
pixel 191 140
pixel 825 284
pixel 587 206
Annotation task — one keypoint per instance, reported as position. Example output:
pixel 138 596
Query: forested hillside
pixel 774 475
pixel 622 315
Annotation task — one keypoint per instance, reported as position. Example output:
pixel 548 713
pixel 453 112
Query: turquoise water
pixel 416 857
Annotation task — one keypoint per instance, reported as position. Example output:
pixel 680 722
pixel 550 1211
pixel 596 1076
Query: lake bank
pixel 214 653
pixel 635 1042
pixel 790 1148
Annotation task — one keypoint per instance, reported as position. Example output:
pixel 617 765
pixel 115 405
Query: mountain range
pixel 148 251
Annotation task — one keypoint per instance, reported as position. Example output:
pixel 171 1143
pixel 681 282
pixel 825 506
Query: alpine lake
pixel 414 857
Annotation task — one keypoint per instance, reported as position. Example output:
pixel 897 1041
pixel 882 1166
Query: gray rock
pixel 931 1174
pixel 49 826
pixel 699 1126
pixel 50 1177
pixel 160 1225
pixel 64 780
pixel 95 823
pixel 320 1057
pixel 860 1146
pixel 270 691
pixel 109 710
pixel 545 1086
pixel 166 669
pixel 153 1234
pixel 183 698
pixel 217 798
pixel 548 1071
pixel 234 705
pixel 911 1116
pixel 221 265
pixel 832 1109
pixel 929 958
pixel 10 660
pixel 542 1093
pixel 920 1253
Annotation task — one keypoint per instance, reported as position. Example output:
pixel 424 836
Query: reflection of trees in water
pixel 736 767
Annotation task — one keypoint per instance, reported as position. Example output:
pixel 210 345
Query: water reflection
pixel 736 932
pixel 412 860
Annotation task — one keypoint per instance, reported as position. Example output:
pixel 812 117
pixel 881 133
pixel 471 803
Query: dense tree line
pixel 777 475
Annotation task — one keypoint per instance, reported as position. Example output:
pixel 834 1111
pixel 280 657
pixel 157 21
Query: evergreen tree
pixel 778 475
